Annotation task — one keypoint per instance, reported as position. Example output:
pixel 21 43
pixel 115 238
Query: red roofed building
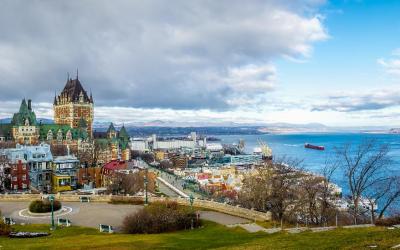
pixel 109 170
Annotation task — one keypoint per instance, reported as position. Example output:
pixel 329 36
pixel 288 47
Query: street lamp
pixel 191 200
pixel 51 199
pixel 145 188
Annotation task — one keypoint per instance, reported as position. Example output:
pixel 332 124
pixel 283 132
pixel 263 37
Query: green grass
pixel 211 236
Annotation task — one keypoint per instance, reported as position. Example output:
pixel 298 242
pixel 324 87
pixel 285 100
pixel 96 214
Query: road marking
pixel 20 213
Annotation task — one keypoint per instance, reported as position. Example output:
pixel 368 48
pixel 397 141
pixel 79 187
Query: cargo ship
pixel 310 146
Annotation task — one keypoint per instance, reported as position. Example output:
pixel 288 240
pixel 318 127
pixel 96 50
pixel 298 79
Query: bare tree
pixel 274 188
pixel 165 164
pixel 58 149
pixel 385 193
pixel 132 183
pixel 364 167
pixel 327 191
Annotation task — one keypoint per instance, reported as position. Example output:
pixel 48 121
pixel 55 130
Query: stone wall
pixel 212 205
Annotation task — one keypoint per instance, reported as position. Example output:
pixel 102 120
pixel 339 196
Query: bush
pixel 390 221
pixel 126 200
pixel 43 206
pixel 160 217
pixel 5 229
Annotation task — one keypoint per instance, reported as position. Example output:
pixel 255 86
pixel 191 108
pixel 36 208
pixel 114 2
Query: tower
pixel 74 104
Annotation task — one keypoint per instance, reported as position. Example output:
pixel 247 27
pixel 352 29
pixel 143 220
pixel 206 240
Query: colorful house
pixel 65 170
pixel 19 170
pixel 40 161
pixel 109 170
pixel 61 183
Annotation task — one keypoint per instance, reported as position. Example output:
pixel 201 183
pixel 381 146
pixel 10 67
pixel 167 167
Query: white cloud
pixel 377 99
pixel 392 65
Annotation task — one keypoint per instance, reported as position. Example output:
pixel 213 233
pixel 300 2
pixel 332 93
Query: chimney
pixel 30 105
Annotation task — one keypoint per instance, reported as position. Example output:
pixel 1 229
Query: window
pixel 24 177
pixel 24 186
pixel 14 178
pixel 23 167
pixel 15 187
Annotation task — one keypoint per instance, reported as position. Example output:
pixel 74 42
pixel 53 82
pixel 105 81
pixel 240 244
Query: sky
pixel 207 62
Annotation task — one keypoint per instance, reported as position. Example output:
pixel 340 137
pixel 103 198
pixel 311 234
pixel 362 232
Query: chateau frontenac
pixel 73 127
pixel 73 106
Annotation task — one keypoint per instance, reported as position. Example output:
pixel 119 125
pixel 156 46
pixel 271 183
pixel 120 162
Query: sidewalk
pixel 254 228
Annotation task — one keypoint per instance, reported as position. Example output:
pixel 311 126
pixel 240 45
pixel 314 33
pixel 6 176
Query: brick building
pixel 19 169
pixel 72 104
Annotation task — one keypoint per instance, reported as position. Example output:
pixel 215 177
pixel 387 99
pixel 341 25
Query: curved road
pixel 93 214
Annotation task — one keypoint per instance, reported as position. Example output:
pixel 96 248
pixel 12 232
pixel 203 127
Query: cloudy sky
pixel 333 62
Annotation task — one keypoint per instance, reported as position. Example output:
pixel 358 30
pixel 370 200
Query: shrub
pixel 390 221
pixel 126 200
pixel 5 229
pixel 160 217
pixel 43 206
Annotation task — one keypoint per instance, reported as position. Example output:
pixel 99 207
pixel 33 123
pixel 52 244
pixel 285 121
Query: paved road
pixel 93 214
pixel 83 214
pixel 174 181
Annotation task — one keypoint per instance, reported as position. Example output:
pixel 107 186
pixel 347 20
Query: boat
pixel 310 146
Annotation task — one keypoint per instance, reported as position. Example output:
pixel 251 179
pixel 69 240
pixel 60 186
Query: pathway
pixel 253 228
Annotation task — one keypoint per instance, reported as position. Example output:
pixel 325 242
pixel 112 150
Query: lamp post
pixel 191 200
pixel 51 199
pixel 145 188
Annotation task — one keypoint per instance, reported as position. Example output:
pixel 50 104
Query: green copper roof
pixel 44 129
pixel 123 134
pixel 24 114
pixel 111 128
pixel 82 123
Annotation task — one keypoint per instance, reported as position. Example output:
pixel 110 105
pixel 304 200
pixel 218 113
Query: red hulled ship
pixel 310 146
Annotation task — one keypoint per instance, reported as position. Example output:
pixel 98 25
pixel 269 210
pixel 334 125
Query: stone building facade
pixel 72 105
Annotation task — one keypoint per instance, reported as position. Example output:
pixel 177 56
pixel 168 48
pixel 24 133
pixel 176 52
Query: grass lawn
pixel 211 236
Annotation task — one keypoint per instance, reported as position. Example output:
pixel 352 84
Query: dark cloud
pixel 180 54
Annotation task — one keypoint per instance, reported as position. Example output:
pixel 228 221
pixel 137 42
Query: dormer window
pixel 50 135
pixel 69 136
pixel 59 135
pixel 81 97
